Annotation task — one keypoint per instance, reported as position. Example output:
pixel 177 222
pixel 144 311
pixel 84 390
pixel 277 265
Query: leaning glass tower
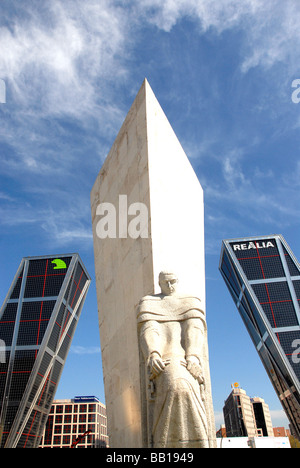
pixel 37 323
pixel 263 277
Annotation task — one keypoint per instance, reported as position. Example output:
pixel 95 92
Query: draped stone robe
pixel 174 327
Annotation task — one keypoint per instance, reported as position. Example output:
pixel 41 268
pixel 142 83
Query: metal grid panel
pixel 34 316
pixel 270 274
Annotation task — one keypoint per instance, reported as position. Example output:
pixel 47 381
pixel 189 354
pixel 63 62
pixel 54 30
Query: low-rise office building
pixel 80 422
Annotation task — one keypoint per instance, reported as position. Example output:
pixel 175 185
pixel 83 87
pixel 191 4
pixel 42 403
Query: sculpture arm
pixel 151 346
pixel 193 330
pixel 149 338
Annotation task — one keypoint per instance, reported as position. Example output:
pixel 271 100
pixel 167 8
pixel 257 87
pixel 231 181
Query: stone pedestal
pixel 146 168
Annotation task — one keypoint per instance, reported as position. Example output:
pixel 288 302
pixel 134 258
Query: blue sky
pixel 221 70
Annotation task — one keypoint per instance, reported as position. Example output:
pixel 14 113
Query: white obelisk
pixel 148 186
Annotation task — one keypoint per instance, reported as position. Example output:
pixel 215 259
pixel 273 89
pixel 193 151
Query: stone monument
pixel 148 215
pixel 172 332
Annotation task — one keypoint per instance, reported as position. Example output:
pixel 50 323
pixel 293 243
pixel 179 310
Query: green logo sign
pixel 59 264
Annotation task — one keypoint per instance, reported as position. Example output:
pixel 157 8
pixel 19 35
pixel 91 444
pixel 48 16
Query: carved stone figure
pixel 172 334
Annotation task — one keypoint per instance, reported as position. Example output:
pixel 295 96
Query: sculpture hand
pixel 193 366
pixel 156 365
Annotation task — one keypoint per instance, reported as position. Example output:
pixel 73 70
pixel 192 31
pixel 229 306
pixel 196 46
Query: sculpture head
pixel 168 282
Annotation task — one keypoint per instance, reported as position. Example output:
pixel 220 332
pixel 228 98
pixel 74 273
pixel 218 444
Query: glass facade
pixel 263 277
pixel 37 324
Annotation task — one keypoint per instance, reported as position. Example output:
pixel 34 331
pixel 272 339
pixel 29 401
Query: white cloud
pixel 219 15
pixel 68 222
pixel 67 53
pixel 76 349
pixel 20 215
pixel 271 28
pixel 5 196
pixel 246 195
pixel 59 60
pixel 64 48
pixel 276 37
pixel 59 52
pixel 233 174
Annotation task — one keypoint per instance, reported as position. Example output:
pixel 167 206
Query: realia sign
pixel 253 245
